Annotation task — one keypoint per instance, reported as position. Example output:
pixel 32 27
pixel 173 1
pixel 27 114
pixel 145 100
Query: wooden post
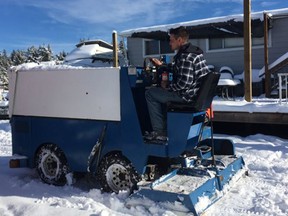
pixel 247 51
pixel 266 61
pixel 115 49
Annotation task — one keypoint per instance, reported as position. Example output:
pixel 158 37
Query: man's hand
pixel 164 84
pixel 156 62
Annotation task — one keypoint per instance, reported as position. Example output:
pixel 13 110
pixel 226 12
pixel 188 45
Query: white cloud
pixel 124 12
pixel 91 11
pixel 121 15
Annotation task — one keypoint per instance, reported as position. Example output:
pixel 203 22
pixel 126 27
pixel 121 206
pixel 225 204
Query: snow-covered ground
pixel 263 192
pixel 257 105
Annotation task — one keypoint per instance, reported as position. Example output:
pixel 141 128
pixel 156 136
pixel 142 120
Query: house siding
pixel 233 58
pixel 279 39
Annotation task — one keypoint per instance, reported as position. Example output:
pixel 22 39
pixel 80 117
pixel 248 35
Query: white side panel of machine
pixel 92 93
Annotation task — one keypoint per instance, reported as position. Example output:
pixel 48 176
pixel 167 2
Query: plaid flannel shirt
pixel 187 69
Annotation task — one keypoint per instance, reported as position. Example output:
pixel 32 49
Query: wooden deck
pixel 255 117
pixel 259 111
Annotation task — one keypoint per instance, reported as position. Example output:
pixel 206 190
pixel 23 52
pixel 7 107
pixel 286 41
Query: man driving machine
pixel 187 67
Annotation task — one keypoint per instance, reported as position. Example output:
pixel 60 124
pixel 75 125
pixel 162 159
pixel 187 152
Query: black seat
pixel 204 96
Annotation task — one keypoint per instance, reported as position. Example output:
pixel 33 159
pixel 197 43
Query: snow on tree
pixel 32 54
pixel 18 57
pixel 61 56
pixel 5 63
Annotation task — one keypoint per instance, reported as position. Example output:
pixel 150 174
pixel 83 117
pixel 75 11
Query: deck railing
pixel 282 77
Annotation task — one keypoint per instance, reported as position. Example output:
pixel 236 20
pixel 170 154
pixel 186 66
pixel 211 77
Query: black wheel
pixel 51 165
pixel 115 173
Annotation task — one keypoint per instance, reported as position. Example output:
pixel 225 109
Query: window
pixel 151 47
pixel 258 41
pixel 155 47
pixel 215 43
pixel 165 47
pixel 233 42
pixel 229 43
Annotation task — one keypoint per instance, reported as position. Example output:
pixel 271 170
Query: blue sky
pixel 62 23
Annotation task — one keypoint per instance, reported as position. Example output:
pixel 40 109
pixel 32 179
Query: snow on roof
pixel 237 17
pixel 88 49
pixel 100 42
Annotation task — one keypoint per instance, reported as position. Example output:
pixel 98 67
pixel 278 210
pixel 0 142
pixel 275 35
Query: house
pixel 221 39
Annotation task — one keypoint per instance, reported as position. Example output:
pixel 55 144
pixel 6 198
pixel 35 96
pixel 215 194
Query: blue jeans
pixel 157 98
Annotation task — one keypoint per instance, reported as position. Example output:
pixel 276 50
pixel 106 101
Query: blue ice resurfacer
pixel 93 120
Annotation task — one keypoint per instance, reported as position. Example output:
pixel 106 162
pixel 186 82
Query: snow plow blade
pixel 196 187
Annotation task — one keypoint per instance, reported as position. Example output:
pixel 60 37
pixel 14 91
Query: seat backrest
pixel 207 90
pixel 226 72
pixel 207 85
pixel 225 75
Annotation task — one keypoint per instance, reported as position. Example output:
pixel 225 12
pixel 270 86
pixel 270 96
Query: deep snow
pixel 263 192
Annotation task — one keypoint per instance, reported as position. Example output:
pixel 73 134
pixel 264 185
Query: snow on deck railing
pixel 282 77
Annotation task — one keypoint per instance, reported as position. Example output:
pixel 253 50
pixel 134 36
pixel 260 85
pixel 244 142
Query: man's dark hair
pixel 180 32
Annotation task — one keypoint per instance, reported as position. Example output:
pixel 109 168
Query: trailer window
pixel 165 47
pixel 156 47
pixel 230 43
pixel 151 47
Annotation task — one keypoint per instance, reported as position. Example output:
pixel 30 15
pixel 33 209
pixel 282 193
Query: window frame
pixel 159 49
pixel 223 49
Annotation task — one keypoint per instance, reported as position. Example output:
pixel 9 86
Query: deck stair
pixel 278 68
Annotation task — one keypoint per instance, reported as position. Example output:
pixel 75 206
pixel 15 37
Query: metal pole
pixel 286 87
pixel 266 61
pixel 115 49
pixel 280 88
pixel 285 83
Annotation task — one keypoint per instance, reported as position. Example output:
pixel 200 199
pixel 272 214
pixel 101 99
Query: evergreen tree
pixel 5 64
pixel 45 53
pixel 18 57
pixel 61 56
pixel 32 55
pixel 121 47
